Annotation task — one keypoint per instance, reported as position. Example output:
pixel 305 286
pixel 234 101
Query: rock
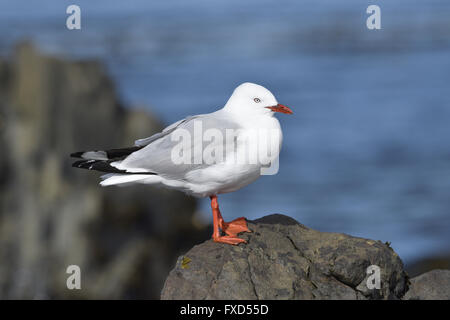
pixel 285 260
pixel 432 285
pixel 52 215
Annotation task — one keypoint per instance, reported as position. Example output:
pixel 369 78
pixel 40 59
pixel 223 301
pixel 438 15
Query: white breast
pixel 238 171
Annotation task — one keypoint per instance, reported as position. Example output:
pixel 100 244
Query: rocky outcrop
pixel 52 215
pixel 432 285
pixel 283 259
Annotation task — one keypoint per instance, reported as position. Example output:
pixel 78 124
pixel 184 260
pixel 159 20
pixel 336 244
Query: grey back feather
pixel 156 156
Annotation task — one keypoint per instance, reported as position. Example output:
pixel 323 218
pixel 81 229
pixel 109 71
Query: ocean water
pixel 367 151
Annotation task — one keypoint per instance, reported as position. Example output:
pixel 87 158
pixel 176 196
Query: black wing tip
pixel 81 164
pixel 103 166
pixel 97 165
pixel 77 154
pixel 111 153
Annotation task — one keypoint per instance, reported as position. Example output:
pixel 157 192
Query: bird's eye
pixel 257 100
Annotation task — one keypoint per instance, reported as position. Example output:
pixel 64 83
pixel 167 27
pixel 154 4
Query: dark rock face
pixel 432 285
pixel 53 215
pixel 286 260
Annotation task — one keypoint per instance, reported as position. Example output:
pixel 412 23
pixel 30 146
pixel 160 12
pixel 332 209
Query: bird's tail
pixel 111 179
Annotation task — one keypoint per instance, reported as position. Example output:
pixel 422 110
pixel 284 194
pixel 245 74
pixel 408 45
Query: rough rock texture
pixel 432 285
pixel 52 215
pixel 286 260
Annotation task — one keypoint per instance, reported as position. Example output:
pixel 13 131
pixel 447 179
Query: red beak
pixel 281 108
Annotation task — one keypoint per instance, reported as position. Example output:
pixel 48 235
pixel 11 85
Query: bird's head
pixel 253 99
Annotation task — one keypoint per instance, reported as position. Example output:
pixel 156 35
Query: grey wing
pixel 161 149
pixel 166 131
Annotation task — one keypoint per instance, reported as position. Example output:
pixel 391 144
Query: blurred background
pixel 367 151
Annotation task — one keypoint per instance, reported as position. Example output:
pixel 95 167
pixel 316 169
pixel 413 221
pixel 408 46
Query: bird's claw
pixel 234 227
pixel 229 240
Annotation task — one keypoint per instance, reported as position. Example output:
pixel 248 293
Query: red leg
pixel 230 228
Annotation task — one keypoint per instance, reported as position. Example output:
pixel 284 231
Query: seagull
pixel 167 160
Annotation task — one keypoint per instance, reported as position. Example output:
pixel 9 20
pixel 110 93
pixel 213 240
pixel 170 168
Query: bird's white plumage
pixel 246 110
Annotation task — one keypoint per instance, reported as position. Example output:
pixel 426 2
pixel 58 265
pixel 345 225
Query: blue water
pixel 367 151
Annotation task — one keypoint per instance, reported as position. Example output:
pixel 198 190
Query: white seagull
pixel 156 159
